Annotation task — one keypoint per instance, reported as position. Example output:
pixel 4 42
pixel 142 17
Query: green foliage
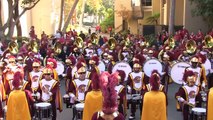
pixel 204 8
pixel 150 39
pixel 108 21
pixel 153 19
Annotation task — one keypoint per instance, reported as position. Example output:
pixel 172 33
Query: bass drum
pixel 152 64
pixel 60 67
pixel 122 66
pixel 177 71
pixel 101 66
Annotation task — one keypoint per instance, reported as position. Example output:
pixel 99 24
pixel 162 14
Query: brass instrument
pixel 33 46
pixel 191 47
pixel 171 42
pixel 79 42
pixel 111 43
pixel 57 48
pixel 13 47
pixel 94 39
pixel 208 41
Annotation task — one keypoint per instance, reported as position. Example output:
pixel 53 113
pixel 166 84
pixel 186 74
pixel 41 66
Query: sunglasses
pixel 12 62
pixel 35 67
pixel 81 73
pixel 47 74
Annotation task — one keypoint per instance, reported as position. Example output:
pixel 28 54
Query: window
pixel 147 2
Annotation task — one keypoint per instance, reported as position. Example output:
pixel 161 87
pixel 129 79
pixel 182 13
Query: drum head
pixel 101 66
pixel 66 96
pixel 150 65
pixel 122 66
pixel 199 110
pixel 43 105
pixel 79 106
pixel 177 71
pixel 60 68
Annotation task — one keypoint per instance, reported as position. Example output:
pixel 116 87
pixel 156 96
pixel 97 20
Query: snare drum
pixel 43 110
pixel 199 113
pixel 79 109
pixel 136 97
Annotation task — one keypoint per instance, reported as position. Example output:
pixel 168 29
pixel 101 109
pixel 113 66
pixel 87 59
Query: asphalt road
pixel 172 114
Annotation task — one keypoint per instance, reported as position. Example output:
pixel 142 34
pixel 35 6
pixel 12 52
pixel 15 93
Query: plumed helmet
pixel 155 77
pixel 94 60
pixel 52 62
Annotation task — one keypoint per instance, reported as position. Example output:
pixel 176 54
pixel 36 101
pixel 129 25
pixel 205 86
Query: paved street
pixel 172 113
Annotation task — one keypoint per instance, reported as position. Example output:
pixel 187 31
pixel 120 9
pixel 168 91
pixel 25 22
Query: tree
pixel 172 17
pixel 61 14
pixel 70 15
pixel 204 8
pixel 14 16
pixel 153 19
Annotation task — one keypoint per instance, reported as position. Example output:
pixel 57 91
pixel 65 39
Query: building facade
pixel 140 10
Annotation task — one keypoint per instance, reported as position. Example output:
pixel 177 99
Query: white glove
pixel 203 85
pixel 180 99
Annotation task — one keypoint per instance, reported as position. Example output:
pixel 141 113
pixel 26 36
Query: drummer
pixel 188 96
pixel 70 62
pixel 49 90
pixel 79 87
pixel 200 73
pixel 121 91
pixel 135 85
pixel 35 75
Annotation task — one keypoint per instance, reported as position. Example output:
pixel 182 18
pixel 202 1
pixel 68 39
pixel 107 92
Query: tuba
pixel 191 47
pixel 57 48
pixel 33 46
pixel 208 41
pixel 111 43
pixel 79 42
pixel 94 39
pixel 171 42
pixel 13 47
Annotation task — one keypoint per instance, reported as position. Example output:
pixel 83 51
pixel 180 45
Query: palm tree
pixel 153 19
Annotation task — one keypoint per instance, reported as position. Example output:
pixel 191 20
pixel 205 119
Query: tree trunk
pixel 1 24
pixel 172 17
pixel 70 16
pixel 82 13
pixel 18 24
pixel 61 14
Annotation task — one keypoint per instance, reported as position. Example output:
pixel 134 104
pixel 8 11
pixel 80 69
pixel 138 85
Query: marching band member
pixel 49 91
pixel 111 63
pixel 188 95
pixel 2 95
pixel 110 104
pixel 94 96
pixel 70 62
pixel 199 71
pixel 156 99
pixel 210 104
pixel 19 99
pixel 135 85
pixel 80 85
pixel 81 63
pixel 94 62
pixel 121 91
pixel 20 61
pixel 51 62
pixel 148 87
pixel 35 75
pixel 105 59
